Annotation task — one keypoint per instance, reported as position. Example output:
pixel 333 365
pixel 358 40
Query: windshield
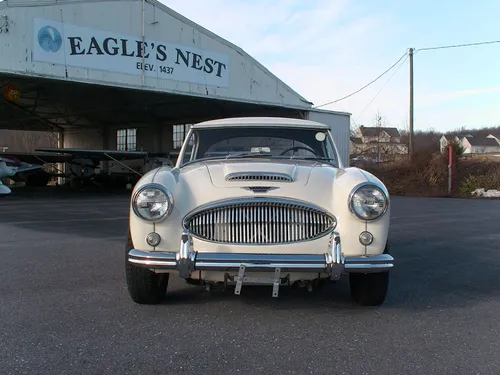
pixel 258 142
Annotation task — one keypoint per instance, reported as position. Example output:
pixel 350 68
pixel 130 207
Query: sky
pixel 327 49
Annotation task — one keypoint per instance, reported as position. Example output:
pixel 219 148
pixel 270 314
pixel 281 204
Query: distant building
pixel 480 145
pixel 471 144
pixel 444 141
pixel 495 137
pixel 380 143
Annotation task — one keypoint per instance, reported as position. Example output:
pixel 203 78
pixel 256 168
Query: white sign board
pixel 83 47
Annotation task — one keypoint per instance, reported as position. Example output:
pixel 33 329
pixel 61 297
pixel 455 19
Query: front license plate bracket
pixel 276 280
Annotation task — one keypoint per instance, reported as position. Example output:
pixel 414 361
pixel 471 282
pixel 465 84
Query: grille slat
pixel 249 176
pixel 260 222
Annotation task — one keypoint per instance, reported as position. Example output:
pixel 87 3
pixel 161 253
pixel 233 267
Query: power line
pixel 458 45
pixel 405 54
pixel 385 84
pixel 364 87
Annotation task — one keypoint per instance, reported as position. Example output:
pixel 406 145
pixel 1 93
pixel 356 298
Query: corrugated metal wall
pixel 112 31
pixel 340 123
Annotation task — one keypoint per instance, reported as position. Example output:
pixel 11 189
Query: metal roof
pixel 261 121
pixel 482 142
pixel 41 3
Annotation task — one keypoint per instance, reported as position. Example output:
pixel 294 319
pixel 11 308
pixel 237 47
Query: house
pixel 382 143
pixel 492 136
pixel 444 140
pixel 480 145
pixel 378 134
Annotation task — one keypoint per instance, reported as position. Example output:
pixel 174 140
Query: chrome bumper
pixel 332 262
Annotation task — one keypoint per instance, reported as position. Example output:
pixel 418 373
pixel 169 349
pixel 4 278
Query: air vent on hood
pixel 259 176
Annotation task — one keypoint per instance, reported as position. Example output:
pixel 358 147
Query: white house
pixel 381 143
pixel 494 137
pixel 443 141
pixel 480 145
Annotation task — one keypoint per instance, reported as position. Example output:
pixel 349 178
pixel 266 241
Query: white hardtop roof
pixel 261 121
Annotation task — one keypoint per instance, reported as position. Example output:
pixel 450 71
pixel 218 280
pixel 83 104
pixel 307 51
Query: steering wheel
pixel 295 148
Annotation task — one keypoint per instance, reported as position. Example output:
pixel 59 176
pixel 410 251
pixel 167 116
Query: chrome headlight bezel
pixel 364 186
pixel 162 189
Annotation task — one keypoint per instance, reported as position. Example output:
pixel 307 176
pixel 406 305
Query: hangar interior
pixel 100 102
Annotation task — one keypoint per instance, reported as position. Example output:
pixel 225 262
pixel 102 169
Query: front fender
pixel 349 225
pixel 139 228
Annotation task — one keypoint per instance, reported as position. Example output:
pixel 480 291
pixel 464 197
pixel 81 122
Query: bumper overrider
pixel 332 262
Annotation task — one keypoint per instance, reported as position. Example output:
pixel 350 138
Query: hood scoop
pixel 259 176
pixel 237 174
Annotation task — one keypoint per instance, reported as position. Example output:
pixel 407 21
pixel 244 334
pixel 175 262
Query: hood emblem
pixel 260 189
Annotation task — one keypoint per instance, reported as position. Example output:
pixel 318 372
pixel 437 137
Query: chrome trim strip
pixel 156 259
pixel 253 199
pixel 333 262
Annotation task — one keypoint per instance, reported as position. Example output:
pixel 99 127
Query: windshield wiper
pixel 312 158
pixel 249 154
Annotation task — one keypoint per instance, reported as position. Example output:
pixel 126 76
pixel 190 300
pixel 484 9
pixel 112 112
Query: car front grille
pixel 256 221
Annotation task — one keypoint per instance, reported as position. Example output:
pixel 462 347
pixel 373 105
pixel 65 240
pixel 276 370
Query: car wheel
pixel 144 286
pixel 369 289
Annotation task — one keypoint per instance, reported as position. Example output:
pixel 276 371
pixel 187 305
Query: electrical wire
pixel 365 86
pixel 405 54
pixel 385 84
pixel 458 45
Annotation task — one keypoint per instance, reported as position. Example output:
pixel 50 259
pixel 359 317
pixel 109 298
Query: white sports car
pixel 258 201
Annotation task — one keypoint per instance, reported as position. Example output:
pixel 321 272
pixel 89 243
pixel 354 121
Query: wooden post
pixel 410 135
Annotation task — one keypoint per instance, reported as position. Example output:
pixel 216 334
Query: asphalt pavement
pixel 65 308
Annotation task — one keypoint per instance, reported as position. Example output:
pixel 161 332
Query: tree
pixel 457 150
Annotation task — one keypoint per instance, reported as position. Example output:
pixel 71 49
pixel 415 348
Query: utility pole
pixel 410 135
pixel 379 124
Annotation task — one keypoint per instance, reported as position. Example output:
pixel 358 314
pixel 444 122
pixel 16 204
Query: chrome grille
pixel 259 177
pixel 260 222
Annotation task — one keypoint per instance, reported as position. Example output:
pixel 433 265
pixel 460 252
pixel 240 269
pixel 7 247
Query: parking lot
pixel 65 307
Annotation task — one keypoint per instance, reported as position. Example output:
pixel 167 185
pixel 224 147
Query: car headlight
pixel 368 202
pixel 153 202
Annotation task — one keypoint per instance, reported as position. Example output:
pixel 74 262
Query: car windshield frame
pixel 326 149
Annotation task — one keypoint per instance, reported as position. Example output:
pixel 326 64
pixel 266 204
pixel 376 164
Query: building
pixel 380 143
pixel 132 75
pixel 480 145
pixel 445 140
pixel 494 137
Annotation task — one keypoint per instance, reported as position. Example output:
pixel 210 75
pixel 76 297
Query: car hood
pixel 207 181
pixel 259 172
pixel 288 178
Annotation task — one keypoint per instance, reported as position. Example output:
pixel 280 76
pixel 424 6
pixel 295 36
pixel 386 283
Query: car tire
pixel 369 289
pixel 144 286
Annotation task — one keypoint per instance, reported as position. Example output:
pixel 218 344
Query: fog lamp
pixel 153 239
pixel 366 238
